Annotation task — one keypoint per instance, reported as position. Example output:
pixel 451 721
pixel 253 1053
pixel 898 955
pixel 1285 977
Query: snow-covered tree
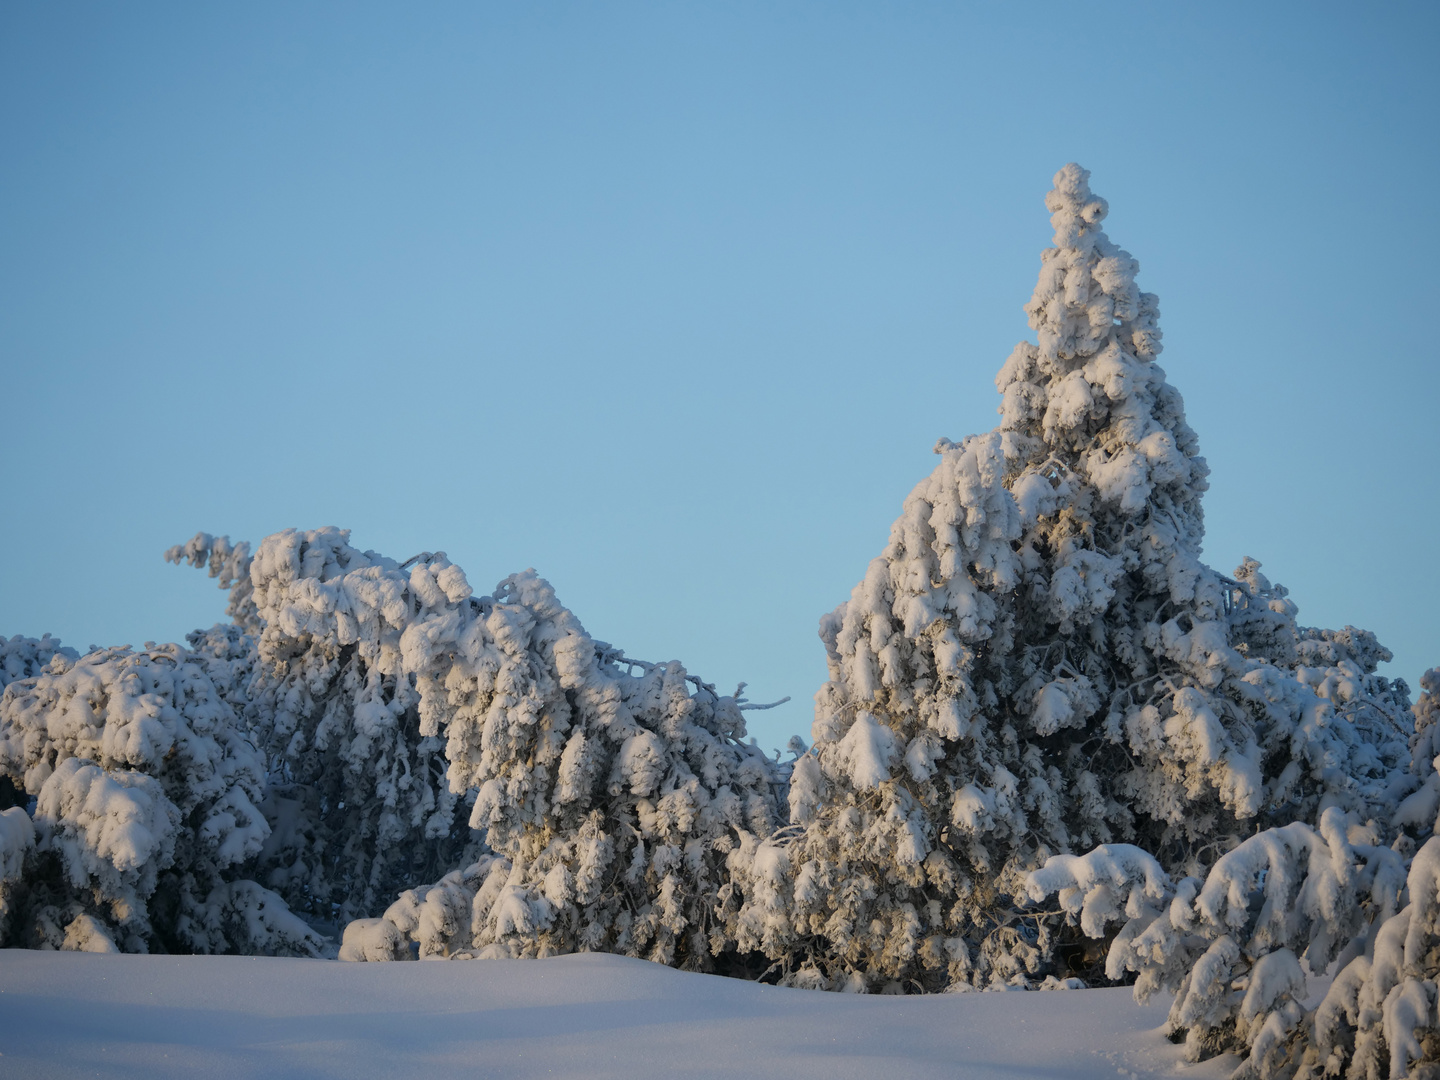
pixel 1039 662
pixel 1292 901
pixel 1234 949
pixel 610 792
pixel 613 792
pixel 1379 1017
pixel 356 793
pixel 145 791
pixel 1427 713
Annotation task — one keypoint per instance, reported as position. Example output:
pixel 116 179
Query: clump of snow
pixel 23 657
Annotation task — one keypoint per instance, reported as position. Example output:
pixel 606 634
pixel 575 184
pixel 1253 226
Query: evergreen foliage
pixel 357 796
pixel 609 792
pixel 1039 662
pixel 1238 949
pixel 145 790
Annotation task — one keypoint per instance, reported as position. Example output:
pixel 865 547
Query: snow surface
pixel 588 1015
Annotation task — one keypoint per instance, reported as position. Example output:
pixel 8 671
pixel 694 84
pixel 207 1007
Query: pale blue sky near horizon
pixel 671 301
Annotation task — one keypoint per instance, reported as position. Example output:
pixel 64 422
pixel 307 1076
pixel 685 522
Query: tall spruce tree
pixel 1040 662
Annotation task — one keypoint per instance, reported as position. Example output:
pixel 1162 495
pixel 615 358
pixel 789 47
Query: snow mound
pixel 588 1015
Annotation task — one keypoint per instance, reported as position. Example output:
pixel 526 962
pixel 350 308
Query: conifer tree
pixel 144 789
pixel 1039 662
pixel 611 793
pixel 356 793
pixel 1338 896
pixel 400 712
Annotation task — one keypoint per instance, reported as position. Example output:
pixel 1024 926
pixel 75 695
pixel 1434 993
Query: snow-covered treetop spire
pixel 1087 284
pixel 1088 401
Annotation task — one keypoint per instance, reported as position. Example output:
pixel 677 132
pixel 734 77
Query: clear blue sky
pixel 671 301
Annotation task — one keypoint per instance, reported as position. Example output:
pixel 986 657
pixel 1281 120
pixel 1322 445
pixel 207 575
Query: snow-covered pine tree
pixel 356 794
pixel 1235 950
pixel 17 838
pixel 610 791
pixel 613 794
pixel 1039 662
pixel 144 791
pixel 1379 1017
pixel 1427 714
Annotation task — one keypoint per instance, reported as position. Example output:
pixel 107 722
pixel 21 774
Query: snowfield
pixel 67 1014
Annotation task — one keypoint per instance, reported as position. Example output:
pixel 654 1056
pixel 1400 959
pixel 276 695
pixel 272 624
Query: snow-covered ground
pixel 592 1016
